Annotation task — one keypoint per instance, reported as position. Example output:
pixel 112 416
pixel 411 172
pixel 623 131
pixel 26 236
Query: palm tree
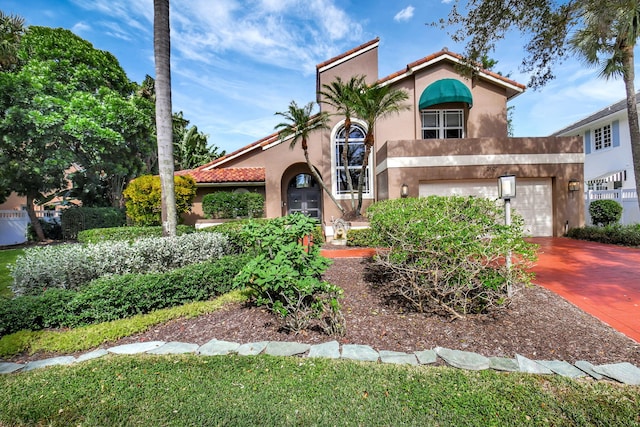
pixel 341 96
pixel 299 124
pixel 607 39
pixel 373 103
pixel 164 121
pixel 11 31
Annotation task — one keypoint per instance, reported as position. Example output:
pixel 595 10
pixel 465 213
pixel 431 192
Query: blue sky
pixel 235 63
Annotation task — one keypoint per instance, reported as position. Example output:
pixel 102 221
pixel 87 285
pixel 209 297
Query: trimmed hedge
pixel 605 212
pixel 226 204
pixel 118 297
pixel 143 198
pixel 129 234
pixel 625 235
pixel 362 237
pixel 95 217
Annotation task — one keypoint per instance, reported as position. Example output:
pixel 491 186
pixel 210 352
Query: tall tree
pixel 602 32
pixel 162 55
pixel 11 31
pixel 63 102
pixel 371 104
pixel 342 96
pixel 298 126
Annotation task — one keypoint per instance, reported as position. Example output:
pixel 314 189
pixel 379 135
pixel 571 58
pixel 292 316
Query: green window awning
pixel 443 91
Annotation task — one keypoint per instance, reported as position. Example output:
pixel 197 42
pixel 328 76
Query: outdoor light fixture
pixel 574 185
pixel 404 191
pixel 507 191
pixel 507 187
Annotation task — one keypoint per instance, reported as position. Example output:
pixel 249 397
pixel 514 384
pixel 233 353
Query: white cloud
pixel 447 1
pixel 81 27
pixel 405 14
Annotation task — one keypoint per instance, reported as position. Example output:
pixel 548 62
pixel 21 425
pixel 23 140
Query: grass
pixel 86 337
pixel 7 257
pixel 264 390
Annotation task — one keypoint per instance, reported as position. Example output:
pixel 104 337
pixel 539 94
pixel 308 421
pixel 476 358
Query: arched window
pixel 355 157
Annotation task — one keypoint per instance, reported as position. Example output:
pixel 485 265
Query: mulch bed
pixel 539 325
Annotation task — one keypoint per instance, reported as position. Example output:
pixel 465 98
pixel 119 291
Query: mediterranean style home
pixel 608 164
pixel 451 141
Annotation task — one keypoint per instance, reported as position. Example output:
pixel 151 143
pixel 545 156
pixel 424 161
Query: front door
pixel 303 195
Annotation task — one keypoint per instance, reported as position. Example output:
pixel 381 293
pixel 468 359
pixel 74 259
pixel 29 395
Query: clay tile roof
pixel 223 175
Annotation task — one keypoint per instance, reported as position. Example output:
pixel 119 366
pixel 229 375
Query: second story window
pixel 602 137
pixel 442 124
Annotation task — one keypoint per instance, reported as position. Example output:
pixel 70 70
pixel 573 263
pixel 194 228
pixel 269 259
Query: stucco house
pixel 452 140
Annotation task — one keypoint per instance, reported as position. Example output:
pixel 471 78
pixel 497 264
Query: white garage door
pixel 533 199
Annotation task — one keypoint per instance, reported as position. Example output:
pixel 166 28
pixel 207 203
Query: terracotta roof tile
pixel 223 175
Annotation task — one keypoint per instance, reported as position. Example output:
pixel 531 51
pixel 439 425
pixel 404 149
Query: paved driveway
pixel 603 280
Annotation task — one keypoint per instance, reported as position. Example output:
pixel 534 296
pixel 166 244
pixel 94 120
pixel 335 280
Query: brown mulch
pixel 539 325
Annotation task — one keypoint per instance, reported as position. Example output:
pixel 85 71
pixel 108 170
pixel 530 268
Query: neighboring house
pixel 453 140
pixel 608 163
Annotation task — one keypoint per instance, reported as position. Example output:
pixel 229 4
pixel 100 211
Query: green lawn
pixel 264 390
pixel 7 256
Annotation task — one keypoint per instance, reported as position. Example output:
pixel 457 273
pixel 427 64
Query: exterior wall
pixel 597 163
pixel 14 202
pixel 410 162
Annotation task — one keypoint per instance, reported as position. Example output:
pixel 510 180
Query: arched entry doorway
pixel 304 195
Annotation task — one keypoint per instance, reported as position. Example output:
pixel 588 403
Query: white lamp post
pixel 507 191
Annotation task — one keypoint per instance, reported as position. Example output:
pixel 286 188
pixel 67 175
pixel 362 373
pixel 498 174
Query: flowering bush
pixel 70 266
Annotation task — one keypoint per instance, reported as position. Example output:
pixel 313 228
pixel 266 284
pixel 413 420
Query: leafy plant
pixel 363 237
pixel 70 266
pixel 605 212
pixel 127 234
pixel 285 274
pixel 225 204
pixel 143 197
pixel 448 255
pixel 626 235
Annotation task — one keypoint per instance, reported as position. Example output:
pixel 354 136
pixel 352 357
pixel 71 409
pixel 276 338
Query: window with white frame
pixel 602 137
pixel 442 124
pixel 355 157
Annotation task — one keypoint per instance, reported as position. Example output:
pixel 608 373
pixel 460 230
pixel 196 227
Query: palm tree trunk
pixel 33 218
pixel 319 180
pixel 164 121
pixel 345 161
pixel 628 76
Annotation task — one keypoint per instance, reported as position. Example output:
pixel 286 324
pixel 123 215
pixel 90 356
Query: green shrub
pixel 626 235
pixel 128 234
pixel 51 229
pixel 92 217
pixel 143 198
pixel 118 297
pixel 605 212
pixel 362 237
pixel 285 275
pixel 225 204
pixel 72 265
pixel 447 255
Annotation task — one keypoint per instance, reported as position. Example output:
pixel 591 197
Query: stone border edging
pixel 625 373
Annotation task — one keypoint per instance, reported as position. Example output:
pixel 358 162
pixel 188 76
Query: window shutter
pixel 615 133
pixel 587 142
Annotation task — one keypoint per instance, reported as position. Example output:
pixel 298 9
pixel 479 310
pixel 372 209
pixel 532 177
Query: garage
pixel 533 199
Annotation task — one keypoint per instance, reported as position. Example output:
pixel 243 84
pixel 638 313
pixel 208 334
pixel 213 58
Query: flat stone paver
pixel 136 348
pixel 463 359
pixel 37 364
pixel 560 367
pixel 218 348
pixel 252 348
pixel 92 355
pixel 531 366
pixel 398 357
pixel 8 367
pixel 283 348
pixel 175 347
pixel 504 364
pixel 426 357
pixel 330 350
pixel 360 352
pixel 625 372
pixel 587 367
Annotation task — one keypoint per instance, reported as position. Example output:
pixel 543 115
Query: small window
pixel 602 138
pixel 442 124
